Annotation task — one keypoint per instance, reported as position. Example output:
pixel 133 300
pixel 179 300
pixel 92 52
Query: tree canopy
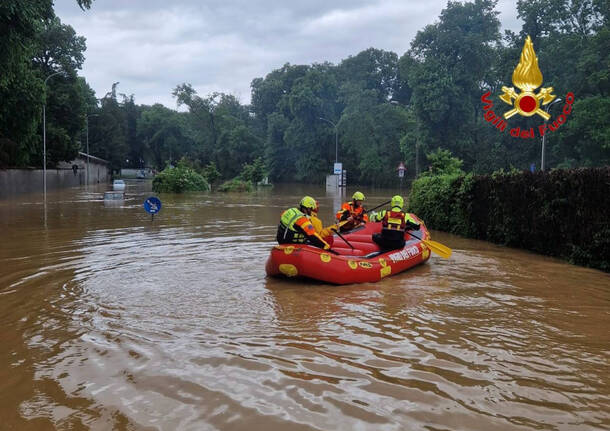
pixel 422 107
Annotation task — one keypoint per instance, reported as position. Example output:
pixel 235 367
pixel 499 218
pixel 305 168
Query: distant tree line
pixel 386 108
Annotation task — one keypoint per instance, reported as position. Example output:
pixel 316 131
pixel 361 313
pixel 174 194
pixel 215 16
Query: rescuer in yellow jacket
pixel 394 225
pixel 296 227
pixel 325 232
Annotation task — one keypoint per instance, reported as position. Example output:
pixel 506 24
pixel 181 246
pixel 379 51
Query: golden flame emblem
pixel 527 77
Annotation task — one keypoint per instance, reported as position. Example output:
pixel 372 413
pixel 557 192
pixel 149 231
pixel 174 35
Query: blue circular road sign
pixel 152 205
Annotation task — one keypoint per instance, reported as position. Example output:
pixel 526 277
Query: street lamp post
pixel 87 123
pixel 44 138
pixel 544 136
pixel 336 138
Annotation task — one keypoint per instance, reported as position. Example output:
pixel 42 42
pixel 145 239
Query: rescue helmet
pixel 358 196
pixel 308 202
pixel 397 202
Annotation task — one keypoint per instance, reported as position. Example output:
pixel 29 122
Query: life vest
pixel 355 212
pixel 394 220
pixel 394 225
pixel 287 232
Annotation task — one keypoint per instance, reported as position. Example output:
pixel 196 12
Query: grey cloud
pixel 151 46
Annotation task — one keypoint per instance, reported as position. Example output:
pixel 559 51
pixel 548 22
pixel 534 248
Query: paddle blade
pixel 438 248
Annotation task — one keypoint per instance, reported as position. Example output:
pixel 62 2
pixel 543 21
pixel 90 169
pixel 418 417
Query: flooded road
pixel 111 321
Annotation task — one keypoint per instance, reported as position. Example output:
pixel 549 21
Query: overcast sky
pixel 150 46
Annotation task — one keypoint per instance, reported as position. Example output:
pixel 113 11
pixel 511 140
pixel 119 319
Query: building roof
pixel 97 159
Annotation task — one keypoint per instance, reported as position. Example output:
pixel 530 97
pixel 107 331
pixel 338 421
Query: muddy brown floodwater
pixel 110 321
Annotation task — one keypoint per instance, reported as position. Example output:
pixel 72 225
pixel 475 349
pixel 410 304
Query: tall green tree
pixel 107 132
pixel 372 69
pixel 221 130
pixel 21 84
pixel 59 49
pixel 448 68
pixel 571 39
pixel 162 134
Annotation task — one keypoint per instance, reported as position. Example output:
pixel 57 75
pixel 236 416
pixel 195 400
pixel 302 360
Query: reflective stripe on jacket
pixel 381 214
pixel 394 220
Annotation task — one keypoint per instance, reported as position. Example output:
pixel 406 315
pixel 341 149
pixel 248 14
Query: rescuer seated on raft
pixel 296 228
pixel 352 213
pixel 325 232
pixel 395 223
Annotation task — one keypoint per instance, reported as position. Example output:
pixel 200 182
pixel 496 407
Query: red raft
pixel 363 264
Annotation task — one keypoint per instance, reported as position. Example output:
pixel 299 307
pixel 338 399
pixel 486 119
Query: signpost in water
pixel 401 172
pixel 152 205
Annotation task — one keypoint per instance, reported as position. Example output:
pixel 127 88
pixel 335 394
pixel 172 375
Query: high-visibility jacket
pixel 347 210
pixel 394 220
pixel 395 223
pixel 407 218
pixel 295 227
pixel 325 232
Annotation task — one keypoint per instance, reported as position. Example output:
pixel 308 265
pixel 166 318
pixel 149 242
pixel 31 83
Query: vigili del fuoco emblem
pixel 527 77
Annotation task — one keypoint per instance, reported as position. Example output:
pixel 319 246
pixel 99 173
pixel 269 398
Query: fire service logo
pixel 527 78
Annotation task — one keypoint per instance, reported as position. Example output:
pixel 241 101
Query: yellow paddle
pixel 440 249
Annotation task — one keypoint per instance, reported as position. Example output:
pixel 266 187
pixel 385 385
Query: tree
pixel 254 172
pixel 211 173
pixel 449 65
pixel 280 159
pixel 59 49
pixel 441 162
pixel 372 69
pixel 21 85
pixel 136 153
pixel 107 133
pixel 267 93
pixel 589 129
pixel 162 134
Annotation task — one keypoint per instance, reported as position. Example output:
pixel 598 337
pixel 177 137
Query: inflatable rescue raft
pixel 365 263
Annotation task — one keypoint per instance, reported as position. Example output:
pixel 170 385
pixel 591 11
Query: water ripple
pixel 170 325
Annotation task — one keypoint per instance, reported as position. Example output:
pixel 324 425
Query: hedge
pixel 562 213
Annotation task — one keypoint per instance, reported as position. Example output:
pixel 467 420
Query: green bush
pixel 211 173
pixel 561 213
pixel 236 185
pixel 432 197
pixel 443 163
pixel 179 179
pixel 254 172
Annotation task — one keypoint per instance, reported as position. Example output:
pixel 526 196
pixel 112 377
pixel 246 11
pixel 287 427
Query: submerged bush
pixel 235 185
pixel 179 179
